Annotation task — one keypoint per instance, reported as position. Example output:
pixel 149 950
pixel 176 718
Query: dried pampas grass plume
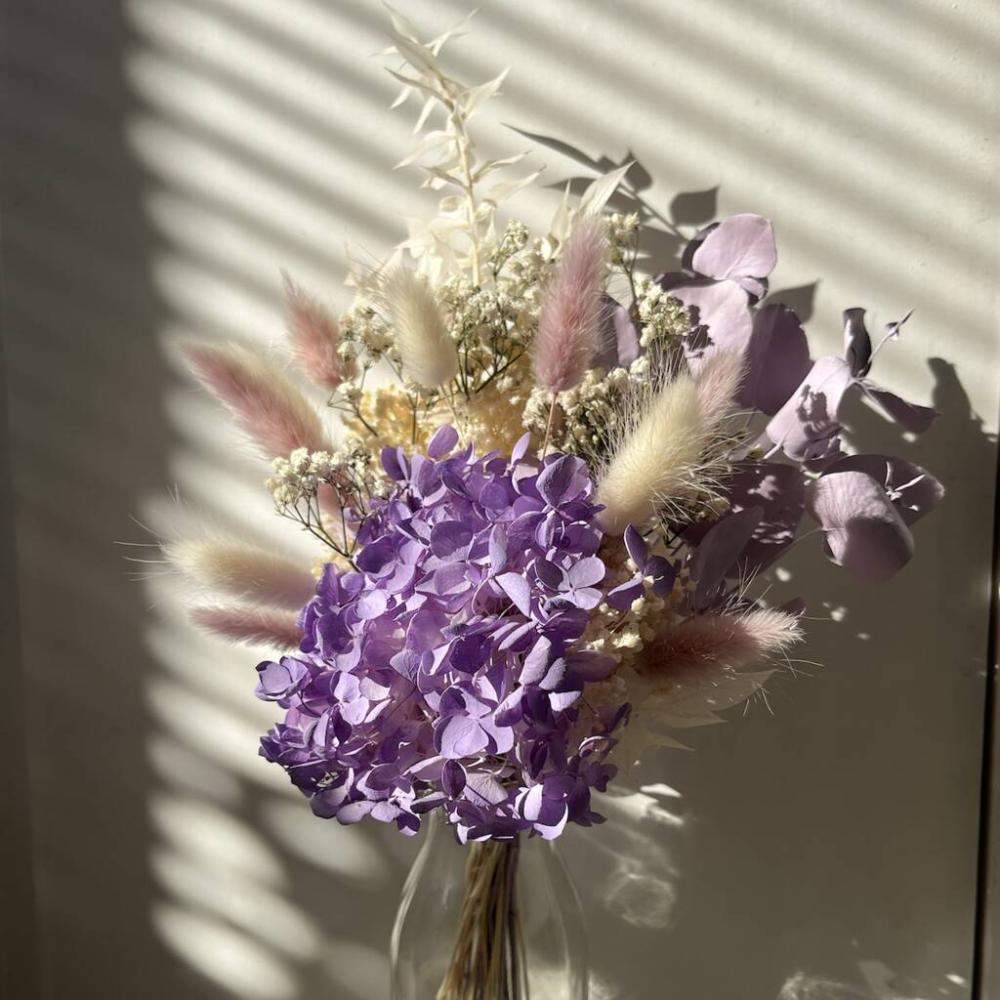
pixel 268 408
pixel 735 641
pixel 655 458
pixel 314 336
pixel 257 626
pixel 245 571
pixel 569 326
pixel 426 350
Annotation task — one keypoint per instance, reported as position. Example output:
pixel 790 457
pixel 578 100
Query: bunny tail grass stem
pixel 548 427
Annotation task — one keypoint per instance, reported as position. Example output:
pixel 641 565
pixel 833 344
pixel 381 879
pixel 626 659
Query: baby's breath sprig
pixel 306 486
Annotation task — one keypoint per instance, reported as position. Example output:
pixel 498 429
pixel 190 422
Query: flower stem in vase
pixel 488 961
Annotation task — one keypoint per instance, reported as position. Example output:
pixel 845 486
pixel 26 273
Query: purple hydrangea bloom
pixel 446 670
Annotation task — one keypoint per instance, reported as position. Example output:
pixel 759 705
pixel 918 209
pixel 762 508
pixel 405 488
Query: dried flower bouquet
pixel 541 527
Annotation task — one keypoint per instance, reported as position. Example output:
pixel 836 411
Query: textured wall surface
pixel 164 158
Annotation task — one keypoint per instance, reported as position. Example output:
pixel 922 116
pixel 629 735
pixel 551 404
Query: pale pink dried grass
pixel 270 410
pixel 255 625
pixel 569 325
pixel 314 336
pixel 736 641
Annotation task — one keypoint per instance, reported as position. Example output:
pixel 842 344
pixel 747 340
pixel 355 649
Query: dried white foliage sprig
pixel 476 188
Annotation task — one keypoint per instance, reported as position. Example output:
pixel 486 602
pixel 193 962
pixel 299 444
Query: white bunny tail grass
pixel 734 641
pixel 257 626
pixel 426 350
pixel 656 457
pixel 269 409
pixel 233 569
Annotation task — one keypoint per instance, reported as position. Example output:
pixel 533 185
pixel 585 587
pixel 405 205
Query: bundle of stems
pixel 488 961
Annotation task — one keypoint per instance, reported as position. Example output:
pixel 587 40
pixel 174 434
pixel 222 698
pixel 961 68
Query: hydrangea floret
pixel 445 671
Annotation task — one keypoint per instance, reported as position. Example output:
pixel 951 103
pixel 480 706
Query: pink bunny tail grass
pixel 256 626
pixel 314 336
pixel 243 571
pixel 268 408
pixel 569 326
pixel 726 640
pixel 717 383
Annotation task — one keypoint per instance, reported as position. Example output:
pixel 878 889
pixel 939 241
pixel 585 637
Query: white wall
pixel 166 157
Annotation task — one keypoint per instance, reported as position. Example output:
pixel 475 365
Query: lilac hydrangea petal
pixel 622 596
pixel 864 531
pixel 556 479
pixel 449 538
pixel 663 574
pixel 516 588
pixel 442 442
pixel 586 573
pixel 394 463
pixel 498 549
pixel 520 448
pixel 354 812
pixel 537 661
pixel 280 680
pixel 484 788
pixel 372 604
pixel 459 736
pixel 453 778
pixel 636 546
pixel 550 575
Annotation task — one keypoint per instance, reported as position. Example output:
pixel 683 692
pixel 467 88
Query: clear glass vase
pixel 499 920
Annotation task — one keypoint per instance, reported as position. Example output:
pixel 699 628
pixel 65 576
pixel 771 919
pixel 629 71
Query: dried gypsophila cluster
pixel 595 570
